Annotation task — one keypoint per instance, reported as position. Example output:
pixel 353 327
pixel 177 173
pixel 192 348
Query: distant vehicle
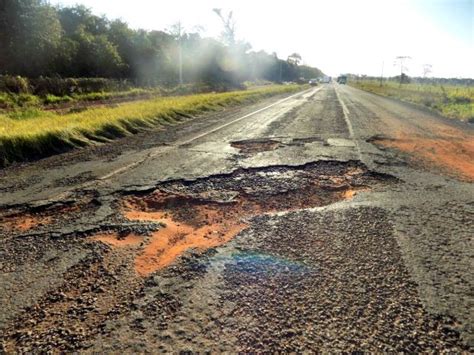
pixel 342 79
pixel 313 82
pixel 326 79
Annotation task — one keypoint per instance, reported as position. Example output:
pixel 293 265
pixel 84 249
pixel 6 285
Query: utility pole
pixel 381 75
pixel 180 54
pixel 281 62
pixel 401 60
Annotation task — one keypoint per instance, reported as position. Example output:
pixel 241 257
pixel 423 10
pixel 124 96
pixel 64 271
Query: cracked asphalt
pixel 288 225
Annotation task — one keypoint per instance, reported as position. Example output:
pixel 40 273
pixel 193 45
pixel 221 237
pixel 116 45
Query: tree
pixel 228 21
pixel 401 60
pixel 294 58
pixel 96 55
pixel 177 31
pixel 37 39
pixel 122 36
pixel 79 16
pixel 427 69
pixel 28 29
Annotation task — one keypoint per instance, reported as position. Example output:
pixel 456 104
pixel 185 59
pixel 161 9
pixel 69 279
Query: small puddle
pixel 209 212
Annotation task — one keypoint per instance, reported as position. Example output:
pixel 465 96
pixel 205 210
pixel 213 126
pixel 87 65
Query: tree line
pixel 37 39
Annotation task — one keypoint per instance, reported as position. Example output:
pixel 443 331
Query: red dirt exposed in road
pixel 433 142
pixel 13 221
pixel 24 223
pixel 170 242
pixel 453 155
pixel 190 223
pixel 113 239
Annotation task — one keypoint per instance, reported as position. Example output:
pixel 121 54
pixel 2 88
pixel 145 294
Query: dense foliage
pixel 38 39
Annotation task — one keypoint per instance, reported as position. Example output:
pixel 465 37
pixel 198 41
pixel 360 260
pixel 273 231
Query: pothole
pixel 209 212
pixel 27 219
pixel 306 140
pixel 250 147
pixel 452 155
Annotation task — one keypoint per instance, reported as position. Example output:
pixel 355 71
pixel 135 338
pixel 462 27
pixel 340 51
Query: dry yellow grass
pixel 451 101
pixel 34 134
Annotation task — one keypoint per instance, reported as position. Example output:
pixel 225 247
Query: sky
pixel 337 36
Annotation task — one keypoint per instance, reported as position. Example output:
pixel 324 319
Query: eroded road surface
pixel 331 220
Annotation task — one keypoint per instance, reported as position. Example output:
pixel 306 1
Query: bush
pixel 14 84
pixel 68 86
pixel 53 99
pixel 25 114
pixel 25 100
pixel 43 86
pixel 6 101
pixel 57 86
pixel 93 96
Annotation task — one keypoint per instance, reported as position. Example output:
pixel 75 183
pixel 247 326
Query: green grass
pixel 53 99
pixel 451 101
pixel 33 133
pixel 100 96
pixel 11 101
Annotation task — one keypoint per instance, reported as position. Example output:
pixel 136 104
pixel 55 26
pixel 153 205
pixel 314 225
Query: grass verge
pixel 36 133
pixel 455 102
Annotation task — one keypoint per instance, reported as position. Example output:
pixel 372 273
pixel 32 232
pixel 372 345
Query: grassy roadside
pixel 34 133
pixel 14 101
pixel 455 102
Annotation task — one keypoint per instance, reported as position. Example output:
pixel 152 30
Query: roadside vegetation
pixel 452 101
pixel 72 42
pixel 32 133
pixel 70 78
pixel 11 101
pixel 18 92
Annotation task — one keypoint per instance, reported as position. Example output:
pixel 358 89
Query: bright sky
pixel 337 36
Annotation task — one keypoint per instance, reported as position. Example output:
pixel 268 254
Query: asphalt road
pixel 331 220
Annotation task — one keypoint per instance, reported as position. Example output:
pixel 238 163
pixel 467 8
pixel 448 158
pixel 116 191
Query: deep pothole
pixel 209 212
pixel 24 219
pixel 249 147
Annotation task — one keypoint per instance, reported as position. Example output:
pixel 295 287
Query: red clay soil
pixel 435 143
pixel 172 241
pixel 24 223
pixel 113 239
pixel 449 155
pixel 16 221
pixel 194 224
